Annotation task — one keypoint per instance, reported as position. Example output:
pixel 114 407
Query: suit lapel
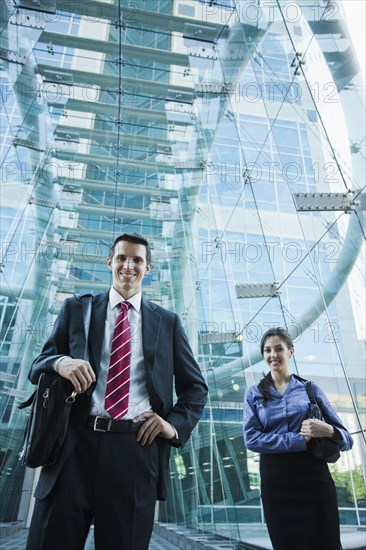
pixel 150 332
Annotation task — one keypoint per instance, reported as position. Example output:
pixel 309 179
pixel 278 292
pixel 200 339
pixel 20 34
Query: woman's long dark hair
pixel 267 383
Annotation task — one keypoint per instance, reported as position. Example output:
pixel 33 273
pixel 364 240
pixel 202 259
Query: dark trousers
pixel 110 479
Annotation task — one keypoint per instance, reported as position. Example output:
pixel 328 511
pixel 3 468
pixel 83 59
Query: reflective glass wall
pixel 231 135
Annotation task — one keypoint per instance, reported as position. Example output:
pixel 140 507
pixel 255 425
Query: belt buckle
pixel 96 429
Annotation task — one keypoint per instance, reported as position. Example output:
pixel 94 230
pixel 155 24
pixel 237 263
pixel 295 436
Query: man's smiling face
pixel 128 267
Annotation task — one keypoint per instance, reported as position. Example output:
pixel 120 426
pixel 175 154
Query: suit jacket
pixel 169 364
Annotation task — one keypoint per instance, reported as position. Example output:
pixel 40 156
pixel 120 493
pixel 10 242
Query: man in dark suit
pixel 112 471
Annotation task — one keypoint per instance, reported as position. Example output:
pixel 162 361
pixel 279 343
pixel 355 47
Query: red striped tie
pixel 118 383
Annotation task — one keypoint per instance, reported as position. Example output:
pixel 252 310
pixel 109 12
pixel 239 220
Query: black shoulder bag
pixel 51 404
pixel 323 448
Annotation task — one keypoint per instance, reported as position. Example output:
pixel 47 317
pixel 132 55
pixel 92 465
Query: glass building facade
pixel 231 135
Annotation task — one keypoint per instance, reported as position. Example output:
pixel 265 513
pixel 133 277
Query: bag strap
pixel 310 392
pixel 86 300
pixel 28 402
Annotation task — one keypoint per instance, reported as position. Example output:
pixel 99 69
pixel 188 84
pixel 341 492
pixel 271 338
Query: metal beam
pixel 110 109
pixel 150 213
pixel 256 290
pixel 133 16
pixel 152 55
pixel 130 86
pixel 112 187
pixel 220 337
pixel 124 162
pixel 111 211
pixel 310 202
pixel 173 119
pixel 73 234
pixel 105 137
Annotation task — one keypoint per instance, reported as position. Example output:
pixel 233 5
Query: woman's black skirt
pixel 299 502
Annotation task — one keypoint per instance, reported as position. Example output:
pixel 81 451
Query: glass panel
pixel 195 124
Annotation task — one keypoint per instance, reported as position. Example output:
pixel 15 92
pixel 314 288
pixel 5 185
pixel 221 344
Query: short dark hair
pixel 277 331
pixel 134 238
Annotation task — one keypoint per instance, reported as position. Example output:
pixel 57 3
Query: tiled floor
pixel 353 538
pixel 18 541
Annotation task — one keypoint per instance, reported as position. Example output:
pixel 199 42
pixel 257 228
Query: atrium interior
pixel 231 134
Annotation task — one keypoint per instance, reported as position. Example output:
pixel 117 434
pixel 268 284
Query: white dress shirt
pixel 139 401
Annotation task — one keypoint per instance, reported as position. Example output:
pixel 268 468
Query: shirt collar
pixel 115 298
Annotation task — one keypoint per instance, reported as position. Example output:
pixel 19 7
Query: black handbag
pixel 46 426
pixel 51 404
pixel 323 448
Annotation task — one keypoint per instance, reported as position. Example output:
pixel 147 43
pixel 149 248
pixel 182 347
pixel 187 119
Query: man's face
pixel 128 267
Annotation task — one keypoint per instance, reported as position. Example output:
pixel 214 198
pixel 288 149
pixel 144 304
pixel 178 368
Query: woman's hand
pixel 312 427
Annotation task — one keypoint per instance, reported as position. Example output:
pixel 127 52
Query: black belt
pixel 103 424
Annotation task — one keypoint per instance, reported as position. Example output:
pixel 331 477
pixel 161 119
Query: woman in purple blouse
pixel 297 490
